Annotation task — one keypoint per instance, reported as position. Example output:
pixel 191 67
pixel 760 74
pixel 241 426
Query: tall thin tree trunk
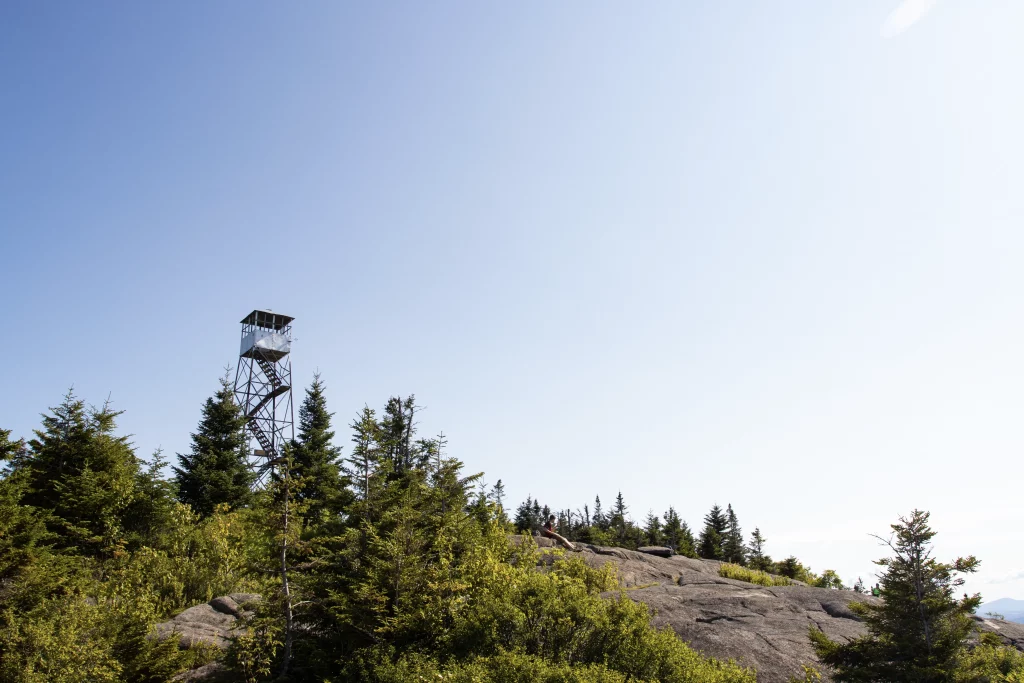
pixel 286 589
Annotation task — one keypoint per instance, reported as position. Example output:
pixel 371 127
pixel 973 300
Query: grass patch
pixel 734 571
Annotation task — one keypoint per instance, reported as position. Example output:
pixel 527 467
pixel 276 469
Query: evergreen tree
pixel 363 465
pixel 397 429
pixel 858 586
pixel 600 521
pixel 317 468
pixel 713 536
pixel 215 472
pixel 790 567
pixel 498 494
pixel 23 533
pixel 757 557
pixel 733 549
pixel 672 529
pixel 618 517
pixel 9 450
pixel 687 544
pixel 652 529
pixel 82 474
pixel 150 515
pixel 524 516
pixel 919 631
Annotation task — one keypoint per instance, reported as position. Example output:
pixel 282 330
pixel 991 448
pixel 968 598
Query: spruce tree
pixel 524 516
pixel 9 450
pixel 757 557
pixel 498 496
pixel 652 529
pixel 713 536
pixel 920 629
pixel 687 545
pixel 618 517
pixel 672 529
pixel 82 474
pixel 215 472
pixel 363 464
pixel 397 429
pixel 600 521
pixel 733 549
pixel 317 468
pixel 791 567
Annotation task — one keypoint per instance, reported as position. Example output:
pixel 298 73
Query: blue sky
pixel 697 252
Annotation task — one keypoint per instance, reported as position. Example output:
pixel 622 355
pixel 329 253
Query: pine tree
pixel 397 429
pixel 733 549
pixel 672 529
pixel 317 468
pixel 215 472
pixel 758 559
pixel 919 631
pixel 22 529
pixel 9 450
pixel 713 536
pixel 83 475
pixel 618 517
pixel 362 465
pixel 524 516
pixel 652 529
pixel 498 496
pixel 150 515
pixel 687 545
pixel 790 567
pixel 600 521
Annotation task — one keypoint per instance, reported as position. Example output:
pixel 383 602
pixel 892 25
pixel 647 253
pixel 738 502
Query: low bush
pixel 734 571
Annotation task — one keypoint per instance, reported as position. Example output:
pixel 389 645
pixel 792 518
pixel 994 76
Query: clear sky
pixel 766 253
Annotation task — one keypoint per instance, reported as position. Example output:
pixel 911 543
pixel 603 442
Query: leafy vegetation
pixel 388 565
pixel 920 630
pixel 734 571
pixel 720 539
pixel 391 564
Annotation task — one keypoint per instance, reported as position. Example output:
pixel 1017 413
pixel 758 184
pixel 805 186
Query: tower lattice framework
pixel 263 386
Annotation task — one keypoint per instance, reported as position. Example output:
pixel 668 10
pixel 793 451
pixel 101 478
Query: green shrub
pixel 734 571
pixel 829 579
pixel 991 661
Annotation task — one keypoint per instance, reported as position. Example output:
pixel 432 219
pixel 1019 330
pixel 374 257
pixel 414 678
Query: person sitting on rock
pixel 549 530
pixel 876 591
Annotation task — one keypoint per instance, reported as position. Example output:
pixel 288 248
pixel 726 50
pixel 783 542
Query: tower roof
pixel 269 319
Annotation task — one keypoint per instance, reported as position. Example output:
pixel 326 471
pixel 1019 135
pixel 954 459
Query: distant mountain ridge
pixel 1012 610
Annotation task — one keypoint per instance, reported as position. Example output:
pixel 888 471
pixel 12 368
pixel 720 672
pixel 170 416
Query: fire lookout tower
pixel 263 385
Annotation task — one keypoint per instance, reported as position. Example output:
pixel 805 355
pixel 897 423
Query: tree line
pixel 385 563
pixel 720 538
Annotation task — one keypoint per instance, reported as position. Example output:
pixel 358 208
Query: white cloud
pixel 905 16
pixel 1008 578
